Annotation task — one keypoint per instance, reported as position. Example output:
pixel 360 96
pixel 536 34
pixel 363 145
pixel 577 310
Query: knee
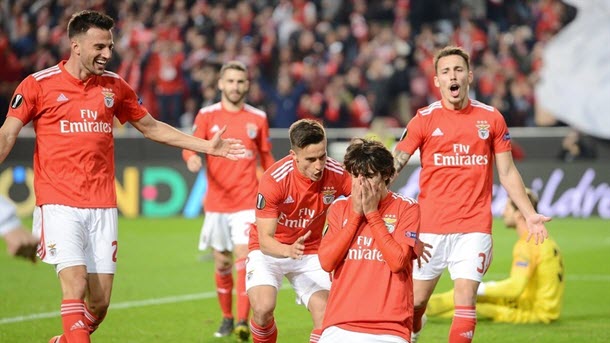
pixel 262 312
pixel 98 307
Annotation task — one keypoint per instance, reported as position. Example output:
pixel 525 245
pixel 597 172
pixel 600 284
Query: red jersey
pixel 457 149
pixel 298 203
pixel 232 185
pixel 73 120
pixel 366 296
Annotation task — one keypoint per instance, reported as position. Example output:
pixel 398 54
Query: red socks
pixel 224 289
pixel 267 334
pixel 463 325
pixel 74 323
pixel 243 303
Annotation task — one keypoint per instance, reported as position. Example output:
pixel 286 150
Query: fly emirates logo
pixel 88 123
pixel 364 251
pixel 460 157
pixel 306 216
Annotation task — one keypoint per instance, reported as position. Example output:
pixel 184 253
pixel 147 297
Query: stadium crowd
pixel 344 62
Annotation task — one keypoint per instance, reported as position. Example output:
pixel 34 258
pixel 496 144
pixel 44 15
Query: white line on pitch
pixel 208 295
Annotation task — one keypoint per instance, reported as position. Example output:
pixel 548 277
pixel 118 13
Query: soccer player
pixel 72 106
pixel 369 244
pixel 19 242
pixel 459 139
pixel 293 196
pixel 533 293
pixel 231 195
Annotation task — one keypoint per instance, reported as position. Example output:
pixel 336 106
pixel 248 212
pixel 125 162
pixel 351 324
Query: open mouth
pixel 455 90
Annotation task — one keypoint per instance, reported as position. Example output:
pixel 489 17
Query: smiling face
pixel 92 49
pixel 453 78
pixel 311 160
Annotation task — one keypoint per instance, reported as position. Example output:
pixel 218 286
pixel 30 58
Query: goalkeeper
pixel 532 293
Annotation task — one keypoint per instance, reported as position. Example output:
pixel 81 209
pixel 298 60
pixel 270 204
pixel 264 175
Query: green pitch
pixel 164 291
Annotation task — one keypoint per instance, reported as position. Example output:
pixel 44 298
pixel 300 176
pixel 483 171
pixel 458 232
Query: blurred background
pixel 361 67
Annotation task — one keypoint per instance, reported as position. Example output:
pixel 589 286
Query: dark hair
pixel 305 132
pixel 82 21
pixel 368 157
pixel 236 65
pixel 449 51
pixel 533 199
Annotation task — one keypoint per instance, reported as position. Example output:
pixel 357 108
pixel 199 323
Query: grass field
pixel 164 291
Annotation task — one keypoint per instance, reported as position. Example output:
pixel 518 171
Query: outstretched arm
pixel 163 133
pixel 513 183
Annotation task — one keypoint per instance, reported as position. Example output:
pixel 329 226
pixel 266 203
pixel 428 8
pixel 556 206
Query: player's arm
pixel 400 160
pixel 8 135
pixel 272 247
pixel 337 240
pixel 19 241
pixel 163 133
pixel 513 183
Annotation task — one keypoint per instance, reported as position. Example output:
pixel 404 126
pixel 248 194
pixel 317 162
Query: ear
pixel 293 154
pixel 436 83
pixel 470 76
pixel 75 46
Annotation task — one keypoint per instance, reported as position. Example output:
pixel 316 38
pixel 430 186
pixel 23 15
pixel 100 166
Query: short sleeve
pixel 411 138
pixel 24 103
pixel 131 108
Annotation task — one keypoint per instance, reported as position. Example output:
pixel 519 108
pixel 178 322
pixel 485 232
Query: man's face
pixel 234 85
pixel 94 49
pixel 509 215
pixel 311 160
pixel 453 79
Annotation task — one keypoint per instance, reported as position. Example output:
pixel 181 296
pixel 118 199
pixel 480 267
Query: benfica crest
pixel 483 129
pixel 328 195
pixel 251 130
pixel 390 223
pixel 108 97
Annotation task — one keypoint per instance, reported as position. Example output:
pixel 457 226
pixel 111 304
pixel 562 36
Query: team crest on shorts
pixel 483 129
pixel 52 249
pixel 251 130
pixel 108 97
pixel 328 195
pixel 390 222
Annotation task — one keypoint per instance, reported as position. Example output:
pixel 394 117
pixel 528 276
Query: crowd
pixel 344 62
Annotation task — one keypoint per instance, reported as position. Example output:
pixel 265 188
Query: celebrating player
pixel 459 139
pixel 72 106
pixel 231 195
pixel 369 245
pixel 293 197
pixel 533 293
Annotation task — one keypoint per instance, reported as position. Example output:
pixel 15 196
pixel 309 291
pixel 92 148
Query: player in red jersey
pixel 459 139
pixel 293 196
pixel 231 194
pixel 369 245
pixel 72 107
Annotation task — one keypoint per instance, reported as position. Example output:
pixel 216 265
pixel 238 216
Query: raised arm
pixel 337 240
pixel 513 183
pixel 163 133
